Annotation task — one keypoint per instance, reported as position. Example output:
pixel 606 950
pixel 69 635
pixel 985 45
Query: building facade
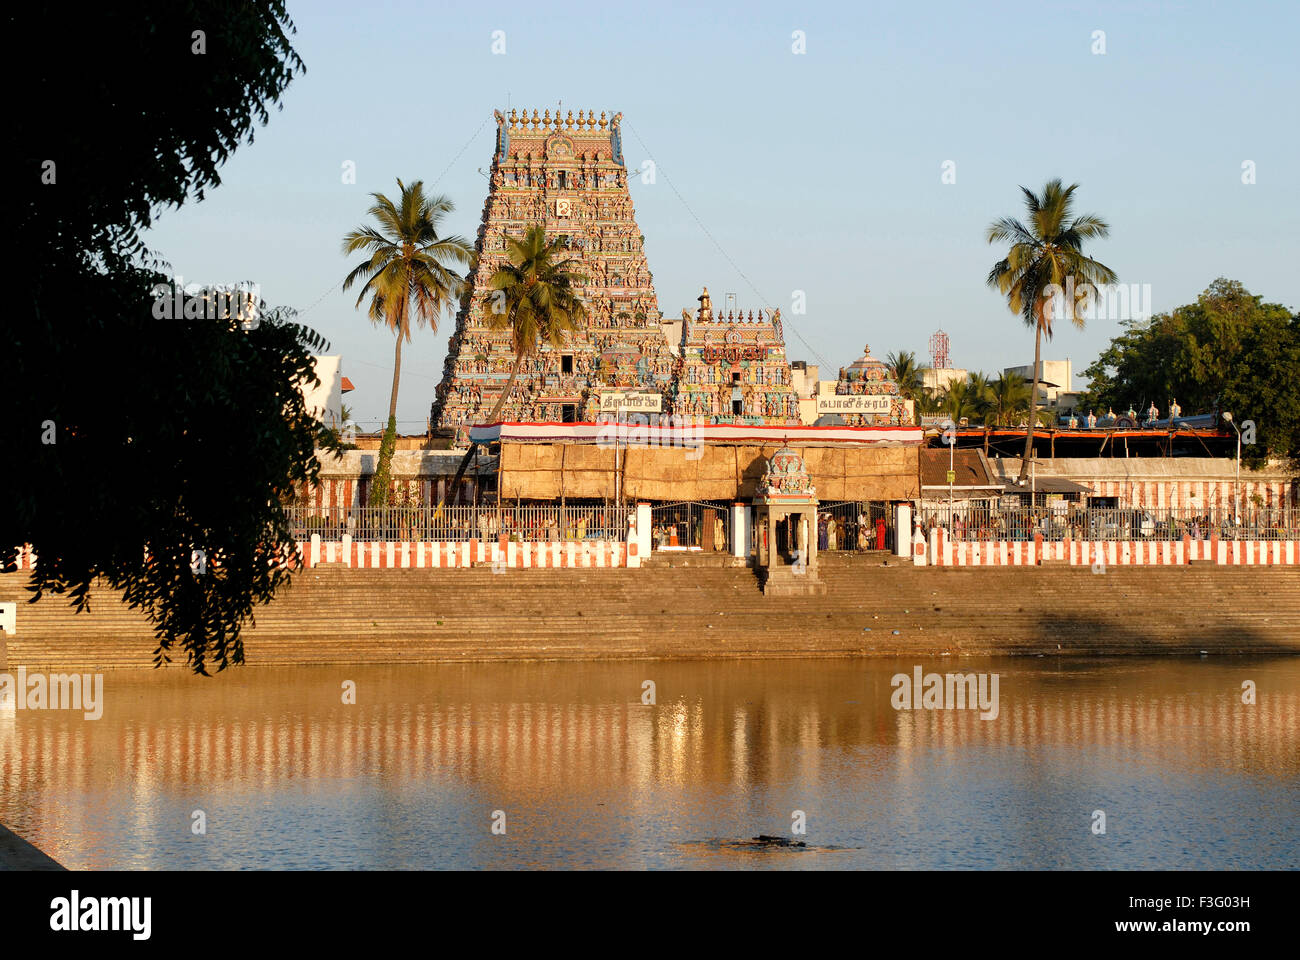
pixel 733 368
pixel 866 396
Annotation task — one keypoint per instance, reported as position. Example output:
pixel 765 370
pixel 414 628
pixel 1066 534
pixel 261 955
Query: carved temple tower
pixel 568 175
pixel 733 368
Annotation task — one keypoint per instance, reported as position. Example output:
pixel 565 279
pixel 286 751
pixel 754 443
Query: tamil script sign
pixel 631 402
pixel 856 403
pixel 731 353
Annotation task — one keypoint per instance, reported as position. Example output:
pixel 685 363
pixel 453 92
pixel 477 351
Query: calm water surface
pixel 586 775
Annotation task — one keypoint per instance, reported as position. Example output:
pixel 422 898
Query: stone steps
pixel 341 615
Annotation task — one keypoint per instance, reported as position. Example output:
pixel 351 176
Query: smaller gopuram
pixel 733 369
pixel 785 528
pixel 866 396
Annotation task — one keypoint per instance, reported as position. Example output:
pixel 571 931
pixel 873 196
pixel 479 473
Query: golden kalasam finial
pixel 546 118
pixel 568 122
pixel 514 118
pixel 536 119
pixel 602 120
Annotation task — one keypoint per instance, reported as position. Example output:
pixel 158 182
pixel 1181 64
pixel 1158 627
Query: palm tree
pixel 537 292
pixel 979 387
pixel 910 377
pixel 1041 256
pixel 927 403
pixel 906 372
pixel 959 401
pixel 534 298
pixel 408 275
pixel 1008 398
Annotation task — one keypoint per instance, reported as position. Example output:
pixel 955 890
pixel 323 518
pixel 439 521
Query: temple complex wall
pixel 713 472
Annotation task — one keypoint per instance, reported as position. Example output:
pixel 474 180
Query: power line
pixel 458 155
pixel 743 275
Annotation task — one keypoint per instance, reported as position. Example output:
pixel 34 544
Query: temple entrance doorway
pixel 702 525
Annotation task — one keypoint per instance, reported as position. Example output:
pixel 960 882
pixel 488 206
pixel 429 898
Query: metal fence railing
pixel 523 523
pixel 701 524
pixel 982 520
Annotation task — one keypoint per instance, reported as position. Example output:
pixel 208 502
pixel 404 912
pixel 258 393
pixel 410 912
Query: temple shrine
pixel 733 368
pixel 785 527
pixel 568 175
pixel 866 396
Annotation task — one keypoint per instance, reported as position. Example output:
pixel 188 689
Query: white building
pixel 939 380
pixel 1055 381
pixel 325 400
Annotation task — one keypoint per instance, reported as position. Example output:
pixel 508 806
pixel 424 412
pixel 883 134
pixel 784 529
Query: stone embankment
pixel 698 607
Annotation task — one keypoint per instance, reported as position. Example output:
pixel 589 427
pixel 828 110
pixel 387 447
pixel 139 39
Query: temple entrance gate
pixel 703 525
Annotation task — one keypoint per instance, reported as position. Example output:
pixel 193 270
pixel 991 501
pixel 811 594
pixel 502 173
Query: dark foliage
pixel 173 437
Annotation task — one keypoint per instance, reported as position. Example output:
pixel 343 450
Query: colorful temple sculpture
pixel 733 368
pixel 785 528
pixel 569 176
pixel 866 396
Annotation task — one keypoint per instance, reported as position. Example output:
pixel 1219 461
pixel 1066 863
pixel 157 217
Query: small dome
pixel 786 473
pixel 786 462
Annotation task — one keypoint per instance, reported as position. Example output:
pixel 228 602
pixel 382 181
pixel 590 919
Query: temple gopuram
pixel 733 368
pixel 866 396
pixel 568 175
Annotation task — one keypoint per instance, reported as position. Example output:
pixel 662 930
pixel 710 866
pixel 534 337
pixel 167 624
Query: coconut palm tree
pixel 1039 260
pixel 960 401
pixel 979 387
pixel 1008 399
pixel 906 372
pixel 407 274
pixel 910 377
pixel 927 403
pixel 533 297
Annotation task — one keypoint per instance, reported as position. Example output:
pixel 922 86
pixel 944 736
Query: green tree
pixel 1008 400
pixel 979 388
pixel 407 275
pixel 1041 257
pixel 1227 351
pixel 960 400
pixel 904 370
pixel 148 451
pixel 534 297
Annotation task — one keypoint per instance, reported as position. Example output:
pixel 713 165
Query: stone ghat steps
pixel 339 615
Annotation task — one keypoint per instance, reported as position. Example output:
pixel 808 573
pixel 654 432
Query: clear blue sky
pixel 780 172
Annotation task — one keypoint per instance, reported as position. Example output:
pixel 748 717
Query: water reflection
pixel 288 775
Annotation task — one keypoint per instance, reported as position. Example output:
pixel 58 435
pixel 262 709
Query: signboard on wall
pixel 631 402
pixel 874 403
